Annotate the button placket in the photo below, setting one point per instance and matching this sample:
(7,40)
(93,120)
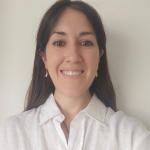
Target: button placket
(57,122)
(77,133)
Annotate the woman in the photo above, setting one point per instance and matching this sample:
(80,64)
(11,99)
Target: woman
(71,101)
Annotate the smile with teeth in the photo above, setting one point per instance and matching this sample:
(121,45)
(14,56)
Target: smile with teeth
(71,73)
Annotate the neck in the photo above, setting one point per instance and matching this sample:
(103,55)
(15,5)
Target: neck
(69,105)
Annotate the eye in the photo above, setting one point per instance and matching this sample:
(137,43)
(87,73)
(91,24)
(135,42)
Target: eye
(87,43)
(59,43)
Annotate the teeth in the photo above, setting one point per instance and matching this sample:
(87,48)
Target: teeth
(72,73)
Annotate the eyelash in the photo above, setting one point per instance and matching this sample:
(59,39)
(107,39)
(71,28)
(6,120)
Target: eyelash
(59,43)
(82,43)
(87,43)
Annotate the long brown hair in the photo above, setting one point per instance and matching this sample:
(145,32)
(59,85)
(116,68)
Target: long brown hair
(41,87)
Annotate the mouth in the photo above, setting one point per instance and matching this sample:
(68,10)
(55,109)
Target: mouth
(72,73)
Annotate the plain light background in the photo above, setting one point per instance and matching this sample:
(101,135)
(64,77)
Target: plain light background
(127,25)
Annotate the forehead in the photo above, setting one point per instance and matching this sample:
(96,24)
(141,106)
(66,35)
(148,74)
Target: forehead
(74,21)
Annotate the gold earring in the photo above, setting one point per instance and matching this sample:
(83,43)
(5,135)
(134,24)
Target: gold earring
(96,75)
(102,52)
(46,74)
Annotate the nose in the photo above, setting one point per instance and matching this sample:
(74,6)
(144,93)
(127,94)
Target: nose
(73,54)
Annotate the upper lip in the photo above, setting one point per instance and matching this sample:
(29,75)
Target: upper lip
(72,70)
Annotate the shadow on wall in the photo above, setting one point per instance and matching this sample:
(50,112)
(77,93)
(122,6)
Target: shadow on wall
(128,73)
(118,52)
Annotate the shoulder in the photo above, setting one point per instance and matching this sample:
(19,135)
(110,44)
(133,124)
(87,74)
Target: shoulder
(22,118)
(18,129)
(128,130)
(123,121)
(19,123)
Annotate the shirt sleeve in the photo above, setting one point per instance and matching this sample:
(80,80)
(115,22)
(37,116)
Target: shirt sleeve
(141,137)
(3,136)
(10,134)
(129,133)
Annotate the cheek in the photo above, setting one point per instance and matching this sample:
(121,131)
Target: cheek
(53,61)
(93,59)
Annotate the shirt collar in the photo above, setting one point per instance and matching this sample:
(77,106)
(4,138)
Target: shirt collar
(49,110)
(95,109)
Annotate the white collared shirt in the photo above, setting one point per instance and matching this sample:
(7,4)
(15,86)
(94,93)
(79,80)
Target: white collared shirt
(96,127)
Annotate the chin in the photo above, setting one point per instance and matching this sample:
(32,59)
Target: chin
(74,93)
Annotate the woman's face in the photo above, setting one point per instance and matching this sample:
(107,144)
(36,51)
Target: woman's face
(72,54)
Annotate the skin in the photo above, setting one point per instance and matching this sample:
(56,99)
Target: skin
(72,46)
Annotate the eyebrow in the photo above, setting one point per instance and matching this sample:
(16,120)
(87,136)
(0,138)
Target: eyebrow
(86,33)
(59,33)
(81,34)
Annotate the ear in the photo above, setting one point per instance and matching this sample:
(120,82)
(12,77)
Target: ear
(44,59)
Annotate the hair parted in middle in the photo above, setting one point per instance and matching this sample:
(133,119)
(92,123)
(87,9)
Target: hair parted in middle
(41,87)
